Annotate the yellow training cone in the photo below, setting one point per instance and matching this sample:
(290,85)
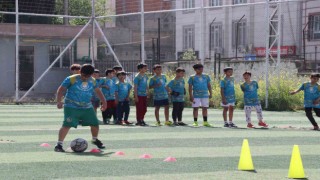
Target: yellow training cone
(245,162)
(296,170)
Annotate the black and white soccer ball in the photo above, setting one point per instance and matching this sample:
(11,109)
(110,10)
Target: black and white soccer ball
(79,145)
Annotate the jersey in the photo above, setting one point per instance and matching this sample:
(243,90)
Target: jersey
(159,92)
(311,93)
(141,82)
(250,93)
(177,85)
(200,85)
(227,84)
(115,79)
(109,94)
(123,90)
(95,98)
(79,92)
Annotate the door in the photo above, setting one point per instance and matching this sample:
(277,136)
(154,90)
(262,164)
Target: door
(26,67)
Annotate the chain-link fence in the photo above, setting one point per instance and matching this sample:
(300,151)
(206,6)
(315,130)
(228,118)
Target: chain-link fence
(174,33)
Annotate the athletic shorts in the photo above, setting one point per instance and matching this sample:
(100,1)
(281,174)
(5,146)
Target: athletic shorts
(111,104)
(95,103)
(228,104)
(163,102)
(203,102)
(73,115)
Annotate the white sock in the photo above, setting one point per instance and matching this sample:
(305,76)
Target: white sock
(60,143)
(94,138)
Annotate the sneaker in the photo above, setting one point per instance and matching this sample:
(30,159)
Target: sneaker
(226,124)
(98,143)
(195,124)
(58,148)
(127,122)
(158,123)
(316,128)
(206,124)
(263,124)
(106,121)
(168,123)
(138,123)
(182,123)
(232,125)
(143,123)
(175,123)
(250,125)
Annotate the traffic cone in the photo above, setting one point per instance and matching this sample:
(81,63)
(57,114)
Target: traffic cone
(296,170)
(245,162)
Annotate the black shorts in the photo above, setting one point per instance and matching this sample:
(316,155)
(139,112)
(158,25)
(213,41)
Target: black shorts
(163,102)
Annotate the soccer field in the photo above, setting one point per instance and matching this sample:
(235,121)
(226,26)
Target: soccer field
(201,153)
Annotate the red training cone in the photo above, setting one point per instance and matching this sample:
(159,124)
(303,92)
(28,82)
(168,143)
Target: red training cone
(170,159)
(119,153)
(146,156)
(95,150)
(45,145)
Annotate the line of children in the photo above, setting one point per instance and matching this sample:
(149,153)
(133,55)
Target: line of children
(108,90)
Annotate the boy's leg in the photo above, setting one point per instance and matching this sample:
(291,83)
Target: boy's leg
(139,110)
(180,110)
(156,113)
(95,140)
(63,133)
(247,110)
(114,112)
(310,116)
(119,111)
(175,111)
(259,116)
(224,114)
(231,113)
(104,117)
(166,112)
(126,108)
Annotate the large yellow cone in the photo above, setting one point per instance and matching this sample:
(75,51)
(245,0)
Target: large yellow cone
(296,170)
(245,162)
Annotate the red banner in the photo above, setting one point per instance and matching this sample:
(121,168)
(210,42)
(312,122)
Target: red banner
(284,51)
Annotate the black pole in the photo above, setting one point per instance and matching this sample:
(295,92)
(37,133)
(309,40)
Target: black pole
(158,40)
(237,33)
(219,58)
(140,53)
(210,37)
(304,45)
(153,50)
(215,66)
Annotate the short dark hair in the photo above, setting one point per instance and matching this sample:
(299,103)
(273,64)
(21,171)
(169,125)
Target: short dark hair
(108,71)
(87,69)
(315,75)
(121,73)
(141,65)
(117,68)
(247,72)
(227,69)
(180,69)
(75,67)
(197,66)
(157,66)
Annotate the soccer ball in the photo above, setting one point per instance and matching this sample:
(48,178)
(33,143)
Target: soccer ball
(79,145)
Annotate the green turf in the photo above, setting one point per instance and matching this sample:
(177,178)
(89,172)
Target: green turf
(202,153)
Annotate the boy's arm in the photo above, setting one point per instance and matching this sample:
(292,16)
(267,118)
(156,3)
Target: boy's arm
(102,99)
(210,90)
(128,97)
(135,93)
(116,97)
(295,92)
(223,98)
(60,92)
(190,93)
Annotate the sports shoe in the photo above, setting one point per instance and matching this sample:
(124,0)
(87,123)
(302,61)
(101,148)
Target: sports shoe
(143,123)
(316,128)
(226,124)
(195,124)
(206,124)
(168,123)
(175,123)
(58,148)
(250,125)
(181,123)
(106,121)
(98,143)
(263,124)
(158,123)
(138,123)
(232,125)
(127,122)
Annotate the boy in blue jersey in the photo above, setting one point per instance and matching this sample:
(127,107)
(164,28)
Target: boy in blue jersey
(141,93)
(177,91)
(75,68)
(311,98)
(116,69)
(199,85)
(160,94)
(77,104)
(123,90)
(251,100)
(228,96)
(108,89)
(95,100)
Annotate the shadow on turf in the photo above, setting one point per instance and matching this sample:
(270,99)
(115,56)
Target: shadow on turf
(101,154)
(252,171)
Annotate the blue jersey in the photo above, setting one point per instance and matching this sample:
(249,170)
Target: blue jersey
(250,93)
(200,85)
(177,85)
(159,92)
(123,90)
(79,93)
(227,84)
(109,94)
(95,98)
(311,93)
(115,79)
(141,82)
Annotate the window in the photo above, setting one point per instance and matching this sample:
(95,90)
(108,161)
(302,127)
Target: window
(215,2)
(26,66)
(239,1)
(186,4)
(241,28)
(216,36)
(188,37)
(65,61)
(314,27)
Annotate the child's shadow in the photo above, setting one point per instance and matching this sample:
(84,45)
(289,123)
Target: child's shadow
(99,154)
